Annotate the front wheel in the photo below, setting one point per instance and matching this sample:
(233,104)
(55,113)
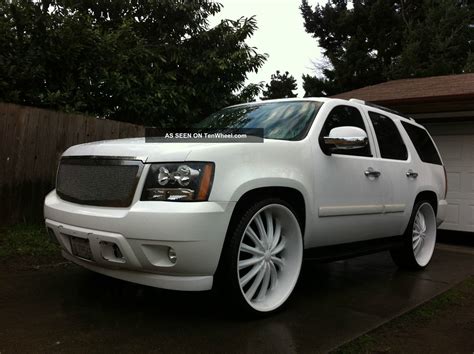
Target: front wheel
(263,256)
(419,238)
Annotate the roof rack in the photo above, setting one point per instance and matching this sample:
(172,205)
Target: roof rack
(389,110)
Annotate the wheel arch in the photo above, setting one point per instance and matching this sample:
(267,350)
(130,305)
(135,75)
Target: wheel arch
(291,195)
(430,196)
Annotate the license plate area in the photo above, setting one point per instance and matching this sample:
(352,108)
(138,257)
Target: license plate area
(80,247)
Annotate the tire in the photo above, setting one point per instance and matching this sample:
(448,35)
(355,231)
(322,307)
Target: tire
(262,257)
(419,238)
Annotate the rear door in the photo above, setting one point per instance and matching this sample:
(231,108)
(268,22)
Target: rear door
(399,167)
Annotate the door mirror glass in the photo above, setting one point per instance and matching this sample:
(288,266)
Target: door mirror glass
(346,138)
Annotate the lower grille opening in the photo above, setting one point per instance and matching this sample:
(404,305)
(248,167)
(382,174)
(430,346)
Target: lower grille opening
(111,252)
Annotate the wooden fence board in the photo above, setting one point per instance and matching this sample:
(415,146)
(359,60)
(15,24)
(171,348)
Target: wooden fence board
(31,143)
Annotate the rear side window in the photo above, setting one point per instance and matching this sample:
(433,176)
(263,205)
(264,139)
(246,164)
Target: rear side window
(345,116)
(390,142)
(423,144)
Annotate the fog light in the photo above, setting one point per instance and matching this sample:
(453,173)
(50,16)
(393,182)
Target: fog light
(172,255)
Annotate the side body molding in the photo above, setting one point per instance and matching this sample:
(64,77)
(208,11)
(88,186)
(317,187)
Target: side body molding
(360,209)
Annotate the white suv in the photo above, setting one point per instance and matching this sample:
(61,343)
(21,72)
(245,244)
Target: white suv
(332,179)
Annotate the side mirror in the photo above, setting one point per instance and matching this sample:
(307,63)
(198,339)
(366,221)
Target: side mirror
(345,138)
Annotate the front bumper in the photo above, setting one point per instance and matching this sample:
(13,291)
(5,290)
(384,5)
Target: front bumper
(144,232)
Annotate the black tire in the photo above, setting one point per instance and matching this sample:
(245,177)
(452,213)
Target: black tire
(404,256)
(227,279)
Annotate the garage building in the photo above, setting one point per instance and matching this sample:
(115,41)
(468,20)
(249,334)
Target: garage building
(445,106)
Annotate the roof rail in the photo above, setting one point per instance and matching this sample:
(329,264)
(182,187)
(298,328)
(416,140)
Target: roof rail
(389,110)
(356,100)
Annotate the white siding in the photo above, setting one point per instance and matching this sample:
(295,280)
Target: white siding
(457,152)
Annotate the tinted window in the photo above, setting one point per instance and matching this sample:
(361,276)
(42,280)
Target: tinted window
(279,120)
(423,144)
(341,116)
(390,142)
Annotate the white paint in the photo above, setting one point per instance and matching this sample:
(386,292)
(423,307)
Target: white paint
(361,207)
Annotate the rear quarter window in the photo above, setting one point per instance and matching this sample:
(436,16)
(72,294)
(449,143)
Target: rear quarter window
(423,144)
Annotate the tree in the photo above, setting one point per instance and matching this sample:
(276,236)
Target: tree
(437,39)
(281,86)
(248,93)
(150,62)
(380,40)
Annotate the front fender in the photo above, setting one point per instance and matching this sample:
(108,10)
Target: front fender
(268,182)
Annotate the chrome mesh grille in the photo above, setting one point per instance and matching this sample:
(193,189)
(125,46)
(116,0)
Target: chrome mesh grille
(98,181)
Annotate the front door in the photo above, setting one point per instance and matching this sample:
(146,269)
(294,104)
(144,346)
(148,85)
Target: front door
(351,187)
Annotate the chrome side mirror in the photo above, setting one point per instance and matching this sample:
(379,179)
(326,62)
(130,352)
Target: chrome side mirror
(346,138)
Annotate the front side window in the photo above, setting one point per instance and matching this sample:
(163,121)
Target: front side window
(341,116)
(279,120)
(391,144)
(423,144)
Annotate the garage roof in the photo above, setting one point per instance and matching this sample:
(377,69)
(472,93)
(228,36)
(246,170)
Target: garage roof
(424,89)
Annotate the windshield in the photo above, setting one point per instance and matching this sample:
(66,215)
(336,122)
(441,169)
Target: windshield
(279,120)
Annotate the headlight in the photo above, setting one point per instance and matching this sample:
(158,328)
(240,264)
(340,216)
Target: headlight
(186,181)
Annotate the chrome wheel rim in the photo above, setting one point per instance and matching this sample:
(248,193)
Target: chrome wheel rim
(270,256)
(424,234)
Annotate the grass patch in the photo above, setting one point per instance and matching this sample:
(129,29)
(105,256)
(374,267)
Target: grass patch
(377,340)
(27,244)
(363,344)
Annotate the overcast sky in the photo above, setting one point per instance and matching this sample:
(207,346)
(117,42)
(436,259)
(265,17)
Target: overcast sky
(280,34)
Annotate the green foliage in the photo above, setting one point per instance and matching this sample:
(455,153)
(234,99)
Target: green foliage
(31,241)
(316,86)
(469,67)
(436,40)
(248,93)
(151,62)
(281,86)
(380,40)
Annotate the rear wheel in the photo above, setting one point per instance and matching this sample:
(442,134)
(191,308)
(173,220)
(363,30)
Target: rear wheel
(419,238)
(263,257)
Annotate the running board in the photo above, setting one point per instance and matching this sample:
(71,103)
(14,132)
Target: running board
(353,249)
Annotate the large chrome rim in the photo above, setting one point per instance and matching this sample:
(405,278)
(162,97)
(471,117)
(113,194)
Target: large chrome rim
(270,256)
(424,234)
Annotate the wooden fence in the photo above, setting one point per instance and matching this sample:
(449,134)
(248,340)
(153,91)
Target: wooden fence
(31,142)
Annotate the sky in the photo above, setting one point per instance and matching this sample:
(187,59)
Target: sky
(280,34)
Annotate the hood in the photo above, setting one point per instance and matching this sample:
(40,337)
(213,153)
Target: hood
(136,148)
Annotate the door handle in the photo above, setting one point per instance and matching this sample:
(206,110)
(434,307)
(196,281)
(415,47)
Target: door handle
(411,174)
(370,172)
